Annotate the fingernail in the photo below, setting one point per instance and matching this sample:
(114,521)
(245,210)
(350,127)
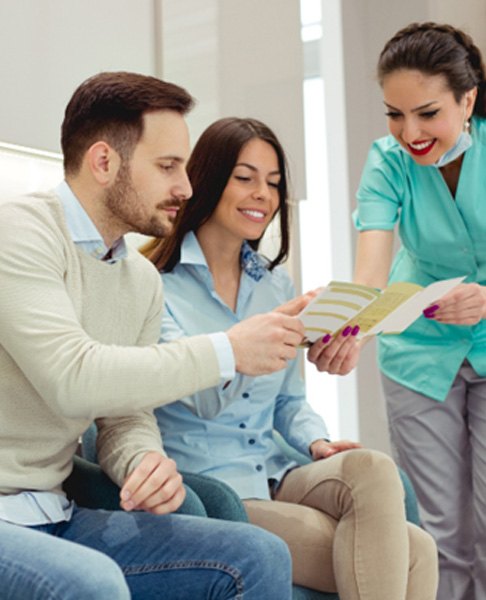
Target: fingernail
(347,331)
(125,495)
(429,312)
(326,338)
(431,309)
(355,330)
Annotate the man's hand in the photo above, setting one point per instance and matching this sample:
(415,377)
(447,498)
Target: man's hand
(337,356)
(264,343)
(322,449)
(154,486)
(464,305)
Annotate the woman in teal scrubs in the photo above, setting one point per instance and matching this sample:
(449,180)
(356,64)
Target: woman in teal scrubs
(428,178)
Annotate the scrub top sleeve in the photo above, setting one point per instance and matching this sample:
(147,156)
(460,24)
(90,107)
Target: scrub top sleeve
(380,191)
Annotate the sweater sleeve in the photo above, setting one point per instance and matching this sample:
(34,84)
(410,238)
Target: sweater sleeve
(75,374)
(122,442)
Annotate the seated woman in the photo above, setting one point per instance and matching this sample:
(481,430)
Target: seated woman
(342,515)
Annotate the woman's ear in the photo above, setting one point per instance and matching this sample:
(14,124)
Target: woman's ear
(470,99)
(103,162)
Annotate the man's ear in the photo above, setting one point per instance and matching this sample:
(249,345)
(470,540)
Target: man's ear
(103,162)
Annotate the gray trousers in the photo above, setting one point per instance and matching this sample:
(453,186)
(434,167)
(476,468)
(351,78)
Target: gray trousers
(442,447)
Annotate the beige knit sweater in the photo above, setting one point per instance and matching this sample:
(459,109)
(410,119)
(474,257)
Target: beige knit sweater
(78,342)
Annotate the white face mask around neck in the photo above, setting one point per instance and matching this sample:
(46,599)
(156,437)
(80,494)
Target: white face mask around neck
(463,143)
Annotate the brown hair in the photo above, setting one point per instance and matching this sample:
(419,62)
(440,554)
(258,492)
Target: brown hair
(437,50)
(209,169)
(110,106)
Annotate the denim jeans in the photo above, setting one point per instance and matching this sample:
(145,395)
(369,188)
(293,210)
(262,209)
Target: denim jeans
(172,557)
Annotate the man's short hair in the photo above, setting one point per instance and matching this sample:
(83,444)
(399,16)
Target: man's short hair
(110,107)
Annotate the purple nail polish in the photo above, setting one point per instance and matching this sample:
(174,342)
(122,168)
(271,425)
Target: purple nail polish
(355,330)
(326,338)
(430,311)
(347,331)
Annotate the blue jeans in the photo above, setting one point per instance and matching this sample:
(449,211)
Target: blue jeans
(98,553)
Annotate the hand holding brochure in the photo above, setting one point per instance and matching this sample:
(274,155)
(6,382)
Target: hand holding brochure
(376,311)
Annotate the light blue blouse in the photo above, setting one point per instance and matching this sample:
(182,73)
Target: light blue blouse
(226,432)
(441,237)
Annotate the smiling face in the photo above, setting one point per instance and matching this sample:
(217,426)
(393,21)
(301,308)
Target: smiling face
(423,114)
(150,188)
(251,197)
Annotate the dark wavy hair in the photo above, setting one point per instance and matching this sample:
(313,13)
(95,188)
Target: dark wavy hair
(436,49)
(209,168)
(110,106)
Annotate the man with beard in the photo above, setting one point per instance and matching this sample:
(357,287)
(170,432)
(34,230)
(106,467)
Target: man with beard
(80,315)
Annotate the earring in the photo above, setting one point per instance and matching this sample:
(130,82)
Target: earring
(467,126)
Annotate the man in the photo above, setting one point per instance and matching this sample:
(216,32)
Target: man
(79,321)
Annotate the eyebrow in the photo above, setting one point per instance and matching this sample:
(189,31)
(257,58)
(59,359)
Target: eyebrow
(413,109)
(178,159)
(253,168)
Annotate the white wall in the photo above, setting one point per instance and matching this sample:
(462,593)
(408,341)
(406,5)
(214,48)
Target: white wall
(48,47)
(236,61)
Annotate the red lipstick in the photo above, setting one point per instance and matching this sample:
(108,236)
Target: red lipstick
(421,151)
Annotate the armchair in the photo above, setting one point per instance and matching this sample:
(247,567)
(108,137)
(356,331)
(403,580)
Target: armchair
(206,496)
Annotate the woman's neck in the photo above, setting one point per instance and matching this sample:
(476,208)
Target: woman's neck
(223,258)
(451,173)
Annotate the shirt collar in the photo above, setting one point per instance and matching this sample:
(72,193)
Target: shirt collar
(191,251)
(251,262)
(83,231)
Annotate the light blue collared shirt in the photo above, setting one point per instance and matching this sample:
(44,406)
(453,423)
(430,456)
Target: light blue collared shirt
(83,231)
(226,432)
(36,507)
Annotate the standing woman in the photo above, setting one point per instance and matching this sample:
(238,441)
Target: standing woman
(429,177)
(342,515)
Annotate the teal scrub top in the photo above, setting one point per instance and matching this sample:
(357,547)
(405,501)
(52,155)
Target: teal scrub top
(441,237)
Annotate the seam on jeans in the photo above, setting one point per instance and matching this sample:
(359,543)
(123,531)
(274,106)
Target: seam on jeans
(191,564)
(39,578)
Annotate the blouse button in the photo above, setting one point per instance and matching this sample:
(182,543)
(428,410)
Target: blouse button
(246,395)
(259,467)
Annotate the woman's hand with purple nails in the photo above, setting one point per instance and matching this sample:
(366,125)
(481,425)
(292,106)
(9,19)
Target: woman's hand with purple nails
(464,305)
(338,357)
